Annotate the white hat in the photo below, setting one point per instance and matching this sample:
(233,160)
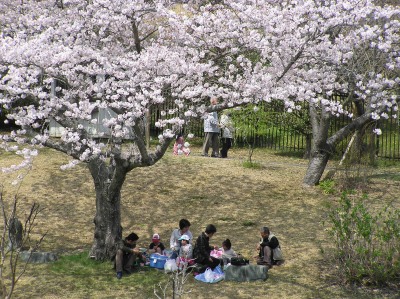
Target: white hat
(156,236)
(184,237)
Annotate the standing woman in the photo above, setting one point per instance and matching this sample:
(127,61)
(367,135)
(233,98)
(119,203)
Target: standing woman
(228,132)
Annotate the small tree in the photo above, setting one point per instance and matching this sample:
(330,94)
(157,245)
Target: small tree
(250,122)
(15,238)
(176,282)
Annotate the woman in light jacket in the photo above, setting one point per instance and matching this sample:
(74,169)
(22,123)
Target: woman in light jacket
(228,132)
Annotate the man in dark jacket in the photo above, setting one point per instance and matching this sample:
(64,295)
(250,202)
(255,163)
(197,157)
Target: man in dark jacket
(202,249)
(127,253)
(267,244)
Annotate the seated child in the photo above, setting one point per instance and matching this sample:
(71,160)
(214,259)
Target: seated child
(181,147)
(185,252)
(156,246)
(186,249)
(228,252)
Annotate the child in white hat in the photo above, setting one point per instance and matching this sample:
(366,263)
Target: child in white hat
(186,250)
(185,253)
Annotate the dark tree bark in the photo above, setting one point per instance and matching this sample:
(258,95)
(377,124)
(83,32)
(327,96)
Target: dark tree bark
(318,161)
(320,151)
(108,181)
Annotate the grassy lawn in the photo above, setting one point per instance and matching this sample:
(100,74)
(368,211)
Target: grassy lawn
(237,200)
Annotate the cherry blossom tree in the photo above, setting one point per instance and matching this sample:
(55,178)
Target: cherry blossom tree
(340,48)
(336,56)
(65,59)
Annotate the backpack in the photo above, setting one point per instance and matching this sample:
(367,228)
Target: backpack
(239,261)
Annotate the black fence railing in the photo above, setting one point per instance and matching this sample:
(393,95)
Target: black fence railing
(282,135)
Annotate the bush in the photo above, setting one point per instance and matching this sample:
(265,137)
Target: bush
(327,186)
(252,164)
(367,245)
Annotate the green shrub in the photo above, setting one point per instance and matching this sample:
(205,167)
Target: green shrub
(367,245)
(251,164)
(327,186)
(248,223)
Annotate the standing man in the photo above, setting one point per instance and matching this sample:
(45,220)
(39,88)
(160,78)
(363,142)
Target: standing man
(211,130)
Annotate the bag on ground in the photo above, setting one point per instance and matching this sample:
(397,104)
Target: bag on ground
(277,254)
(239,261)
(170,265)
(211,276)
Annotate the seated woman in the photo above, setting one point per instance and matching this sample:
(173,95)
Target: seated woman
(175,242)
(181,147)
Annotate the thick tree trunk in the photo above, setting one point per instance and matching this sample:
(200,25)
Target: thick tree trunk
(316,167)
(321,151)
(108,182)
(323,145)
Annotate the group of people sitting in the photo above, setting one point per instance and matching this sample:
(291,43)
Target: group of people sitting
(183,249)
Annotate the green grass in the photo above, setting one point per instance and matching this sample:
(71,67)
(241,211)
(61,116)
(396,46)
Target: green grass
(85,271)
(248,223)
(252,165)
(78,264)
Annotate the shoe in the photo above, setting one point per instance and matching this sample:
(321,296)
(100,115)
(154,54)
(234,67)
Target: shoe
(278,263)
(204,155)
(119,275)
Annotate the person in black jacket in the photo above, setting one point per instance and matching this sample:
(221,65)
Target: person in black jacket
(202,249)
(268,242)
(126,255)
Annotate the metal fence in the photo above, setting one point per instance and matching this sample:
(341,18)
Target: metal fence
(282,136)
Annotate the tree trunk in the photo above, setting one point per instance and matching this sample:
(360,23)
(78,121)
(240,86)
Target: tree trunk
(108,183)
(321,150)
(307,152)
(316,167)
